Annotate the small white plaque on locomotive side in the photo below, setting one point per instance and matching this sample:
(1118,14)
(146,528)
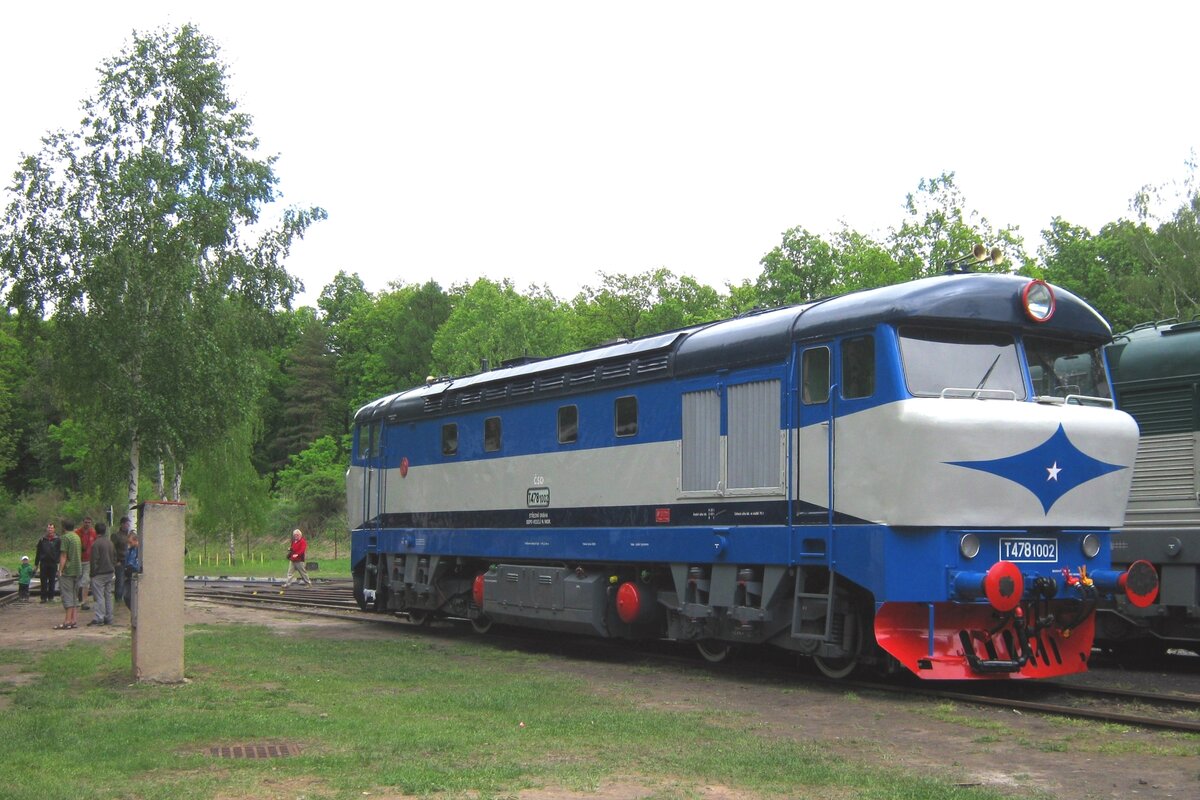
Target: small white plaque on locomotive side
(538,497)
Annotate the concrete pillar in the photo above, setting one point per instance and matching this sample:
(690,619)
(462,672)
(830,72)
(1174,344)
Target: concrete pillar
(158,594)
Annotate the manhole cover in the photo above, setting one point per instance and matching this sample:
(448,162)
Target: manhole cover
(272,750)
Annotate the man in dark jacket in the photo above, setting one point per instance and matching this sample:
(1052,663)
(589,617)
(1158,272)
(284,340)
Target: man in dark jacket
(48,551)
(103,573)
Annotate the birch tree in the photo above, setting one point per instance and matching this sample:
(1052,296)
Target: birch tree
(139,234)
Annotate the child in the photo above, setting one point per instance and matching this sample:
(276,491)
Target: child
(24,576)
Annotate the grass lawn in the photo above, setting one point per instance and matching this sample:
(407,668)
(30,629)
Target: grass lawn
(405,715)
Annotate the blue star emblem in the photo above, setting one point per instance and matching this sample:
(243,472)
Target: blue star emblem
(1050,470)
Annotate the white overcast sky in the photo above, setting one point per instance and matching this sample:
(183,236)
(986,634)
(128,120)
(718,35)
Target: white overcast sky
(548,141)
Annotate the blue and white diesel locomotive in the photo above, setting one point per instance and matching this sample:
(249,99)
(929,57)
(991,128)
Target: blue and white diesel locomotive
(918,474)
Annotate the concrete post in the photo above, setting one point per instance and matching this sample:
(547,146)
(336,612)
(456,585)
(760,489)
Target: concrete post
(158,594)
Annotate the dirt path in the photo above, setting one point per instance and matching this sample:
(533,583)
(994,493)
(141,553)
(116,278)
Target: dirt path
(1023,755)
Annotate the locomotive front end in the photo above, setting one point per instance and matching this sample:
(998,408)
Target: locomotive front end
(1017,469)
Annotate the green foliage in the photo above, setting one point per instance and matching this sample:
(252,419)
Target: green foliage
(315,481)
(492,322)
(630,306)
(131,231)
(1134,270)
(231,501)
(71,439)
(806,267)
(941,228)
(1098,268)
(387,342)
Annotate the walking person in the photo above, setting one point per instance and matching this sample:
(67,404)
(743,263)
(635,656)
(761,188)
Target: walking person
(70,565)
(120,542)
(24,576)
(296,558)
(49,548)
(103,572)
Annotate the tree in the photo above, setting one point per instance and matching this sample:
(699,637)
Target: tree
(801,268)
(232,498)
(315,480)
(941,228)
(1100,268)
(630,306)
(133,234)
(387,343)
(1170,282)
(806,267)
(314,404)
(493,323)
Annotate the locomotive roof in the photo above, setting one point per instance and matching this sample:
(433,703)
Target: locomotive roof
(1154,351)
(988,300)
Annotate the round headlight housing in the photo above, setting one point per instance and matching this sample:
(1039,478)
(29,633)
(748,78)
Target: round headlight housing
(968,545)
(1090,545)
(1037,299)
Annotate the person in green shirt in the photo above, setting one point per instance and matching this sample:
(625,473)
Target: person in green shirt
(70,567)
(24,576)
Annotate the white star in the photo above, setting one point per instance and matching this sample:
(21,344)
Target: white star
(1053,470)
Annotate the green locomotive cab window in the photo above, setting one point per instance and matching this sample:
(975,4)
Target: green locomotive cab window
(625,412)
(450,439)
(491,434)
(568,424)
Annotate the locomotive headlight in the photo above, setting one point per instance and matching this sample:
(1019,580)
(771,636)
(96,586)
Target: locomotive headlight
(1037,298)
(1090,545)
(968,545)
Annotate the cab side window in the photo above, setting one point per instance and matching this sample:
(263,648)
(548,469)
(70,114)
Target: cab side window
(815,382)
(858,367)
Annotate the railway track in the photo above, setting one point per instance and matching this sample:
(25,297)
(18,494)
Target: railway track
(1165,711)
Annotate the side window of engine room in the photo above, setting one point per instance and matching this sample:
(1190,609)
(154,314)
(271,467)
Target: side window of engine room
(625,416)
(568,424)
(491,435)
(450,439)
(748,460)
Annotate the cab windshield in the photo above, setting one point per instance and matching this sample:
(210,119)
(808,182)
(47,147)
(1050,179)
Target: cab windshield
(1062,368)
(957,363)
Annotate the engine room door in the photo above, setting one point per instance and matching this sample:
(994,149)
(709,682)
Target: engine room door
(814,462)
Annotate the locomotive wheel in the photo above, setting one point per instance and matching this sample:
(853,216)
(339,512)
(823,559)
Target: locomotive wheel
(713,651)
(481,624)
(836,668)
(419,616)
(840,666)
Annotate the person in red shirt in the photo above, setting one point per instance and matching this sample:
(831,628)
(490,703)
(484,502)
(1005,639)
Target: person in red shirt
(87,535)
(296,565)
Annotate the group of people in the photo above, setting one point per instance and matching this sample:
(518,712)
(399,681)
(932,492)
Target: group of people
(86,559)
(83,561)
